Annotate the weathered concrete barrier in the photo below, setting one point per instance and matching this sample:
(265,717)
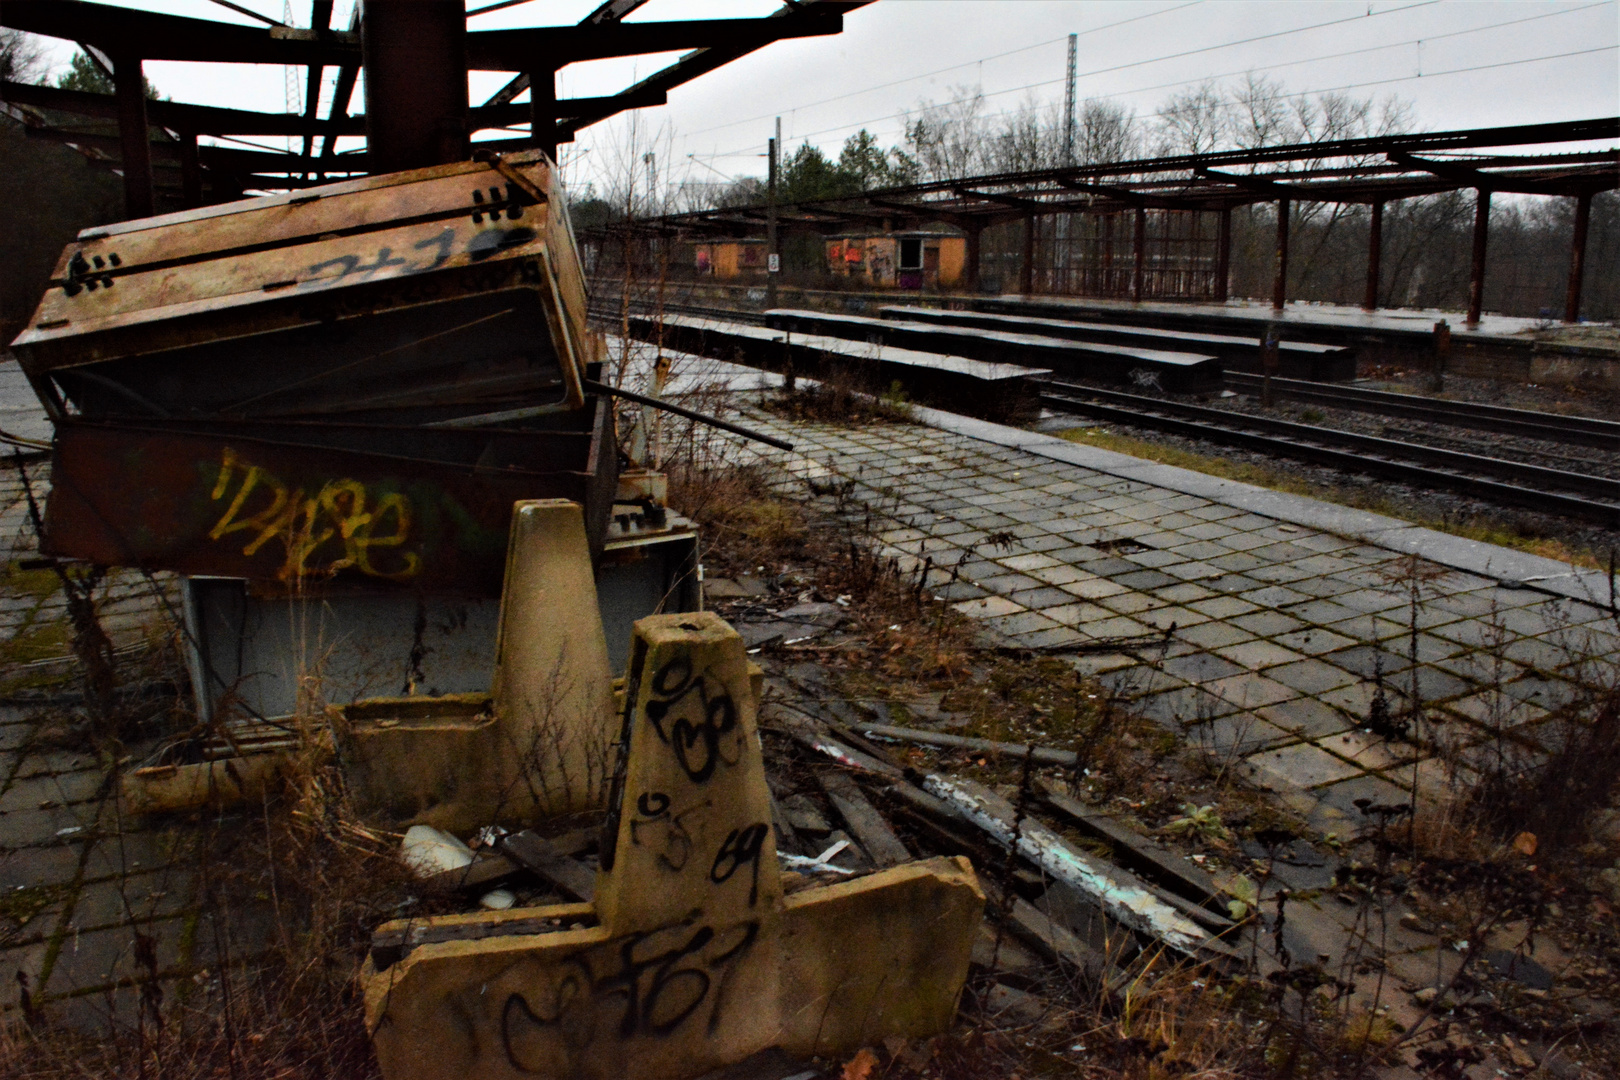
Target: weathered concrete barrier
(692,955)
(541,743)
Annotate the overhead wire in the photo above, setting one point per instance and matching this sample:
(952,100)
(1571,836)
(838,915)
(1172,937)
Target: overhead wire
(952,67)
(1269,67)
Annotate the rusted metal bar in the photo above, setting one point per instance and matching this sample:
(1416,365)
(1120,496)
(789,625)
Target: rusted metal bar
(1375,250)
(1279,287)
(136,151)
(416,84)
(1476,272)
(1139,247)
(690,414)
(1577,256)
(1223,256)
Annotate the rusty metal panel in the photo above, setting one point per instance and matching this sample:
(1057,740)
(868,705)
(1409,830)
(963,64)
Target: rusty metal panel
(341,251)
(284,513)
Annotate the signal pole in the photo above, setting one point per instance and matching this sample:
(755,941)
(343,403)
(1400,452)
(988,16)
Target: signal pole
(773,255)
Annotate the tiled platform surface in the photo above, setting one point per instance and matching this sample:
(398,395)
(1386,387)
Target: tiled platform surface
(77,885)
(1261,636)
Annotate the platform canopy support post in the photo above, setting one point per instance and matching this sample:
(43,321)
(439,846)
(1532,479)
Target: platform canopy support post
(1476,273)
(1279,288)
(1223,256)
(1375,250)
(1577,256)
(1139,249)
(129,87)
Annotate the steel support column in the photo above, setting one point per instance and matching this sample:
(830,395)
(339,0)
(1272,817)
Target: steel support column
(191,192)
(1279,288)
(1375,251)
(543,108)
(1476,273)
(1577,256)
(970,258)
(415,55)
(1223,256)
(130,89)
(1139,248)
(1026,269)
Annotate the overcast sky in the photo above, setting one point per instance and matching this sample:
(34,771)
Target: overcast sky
(1459,64)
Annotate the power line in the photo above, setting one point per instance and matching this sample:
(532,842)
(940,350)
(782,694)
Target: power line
(1271,67)
(943,70)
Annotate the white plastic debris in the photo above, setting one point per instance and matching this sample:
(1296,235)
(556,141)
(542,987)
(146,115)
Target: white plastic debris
(430,851)
(819,864)
(498,899)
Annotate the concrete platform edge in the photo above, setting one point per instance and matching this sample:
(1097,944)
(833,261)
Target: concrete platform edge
(1473,556)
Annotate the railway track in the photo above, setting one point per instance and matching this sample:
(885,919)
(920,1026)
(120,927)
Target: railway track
(1497,419)
(1554,491)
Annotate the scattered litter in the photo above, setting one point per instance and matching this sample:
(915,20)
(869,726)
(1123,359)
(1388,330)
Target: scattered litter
(498,899)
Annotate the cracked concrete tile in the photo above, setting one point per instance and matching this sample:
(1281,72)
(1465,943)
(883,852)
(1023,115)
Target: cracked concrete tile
(1256,655)
(987,607)
(1251,691)
(1311,676)
(1302,765)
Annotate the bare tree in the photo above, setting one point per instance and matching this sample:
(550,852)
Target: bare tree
(1108,132)
(22,57)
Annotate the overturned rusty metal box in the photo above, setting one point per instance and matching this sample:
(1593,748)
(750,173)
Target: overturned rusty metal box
(346,386)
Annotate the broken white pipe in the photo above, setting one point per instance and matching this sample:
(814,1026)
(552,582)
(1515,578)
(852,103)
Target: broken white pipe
(818,864)
(1126,903)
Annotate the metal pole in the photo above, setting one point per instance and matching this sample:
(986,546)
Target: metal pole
(1476,274)
(1140,245)
(415,57)
(970,271)
(130,90)
(1375,249)
(1068,104)
(1223,256)
(773,254)
(1279,288)
(1577,256)
(190,170)
(543,108)
(1026,272)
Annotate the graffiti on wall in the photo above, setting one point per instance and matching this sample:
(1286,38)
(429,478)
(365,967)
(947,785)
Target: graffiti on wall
(341,526)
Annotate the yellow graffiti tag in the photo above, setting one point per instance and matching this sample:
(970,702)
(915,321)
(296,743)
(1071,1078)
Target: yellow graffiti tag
(304,524)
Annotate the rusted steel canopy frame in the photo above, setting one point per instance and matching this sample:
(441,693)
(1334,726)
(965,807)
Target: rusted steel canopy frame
(155,36)
(1279,287)
(135,149)
(211,120)
(1577,256)
(1476,271)
(1375,250)
(715,55)
(416,83)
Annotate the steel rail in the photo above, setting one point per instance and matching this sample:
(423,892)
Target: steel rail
(1576,430)
(1523,485)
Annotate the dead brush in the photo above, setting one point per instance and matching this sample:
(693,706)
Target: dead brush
(842,392)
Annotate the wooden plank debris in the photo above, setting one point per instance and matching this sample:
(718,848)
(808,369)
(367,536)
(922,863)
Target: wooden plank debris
(551,860)
(1043,755)
(871,831)
(484,872)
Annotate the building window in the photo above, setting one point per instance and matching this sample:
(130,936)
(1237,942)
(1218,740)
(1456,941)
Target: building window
(911,253)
